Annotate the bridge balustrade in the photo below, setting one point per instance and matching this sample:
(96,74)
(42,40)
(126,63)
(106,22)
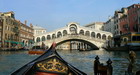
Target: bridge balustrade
(69,36)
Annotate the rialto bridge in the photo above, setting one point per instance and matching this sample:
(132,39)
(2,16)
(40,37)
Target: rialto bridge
(75,36)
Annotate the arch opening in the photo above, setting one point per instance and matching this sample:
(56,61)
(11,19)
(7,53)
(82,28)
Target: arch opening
(81,32)
(43,38)
(73,29)
(53,36)
(59,34)
(99,35)
(76,44)
(65,32)
(93,34)
(48,37)
(37,40)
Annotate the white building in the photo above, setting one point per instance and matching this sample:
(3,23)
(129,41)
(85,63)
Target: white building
(39,30)
(109,25)
(95,25)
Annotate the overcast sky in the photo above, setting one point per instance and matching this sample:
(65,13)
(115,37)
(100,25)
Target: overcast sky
(54,14)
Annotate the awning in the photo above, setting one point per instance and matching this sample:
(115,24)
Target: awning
(11,41)
(14,42)
(31,41)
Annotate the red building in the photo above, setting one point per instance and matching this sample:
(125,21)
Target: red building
(123,22)
(1,31)
(139,20)
(133,17)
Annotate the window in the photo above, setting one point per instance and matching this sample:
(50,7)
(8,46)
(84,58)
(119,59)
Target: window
(73,29)
(65,33)
(136,38)
(81,32)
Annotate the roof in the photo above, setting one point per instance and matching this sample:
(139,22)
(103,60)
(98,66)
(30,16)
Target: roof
(38,27)
(95,23)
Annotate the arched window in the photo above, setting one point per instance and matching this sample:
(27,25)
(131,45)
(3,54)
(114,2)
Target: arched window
(104,37)
(48,37)
(93,34)
(53,36)
(43,38)
(87,33)
(99,35)
(23,41)
(109,37)
(59,34)
(38,39)
(73,29)
(64,33)
(81,32)
(125,39)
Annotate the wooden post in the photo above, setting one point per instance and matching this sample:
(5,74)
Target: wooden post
(109,67)
(96,63)
(132,60)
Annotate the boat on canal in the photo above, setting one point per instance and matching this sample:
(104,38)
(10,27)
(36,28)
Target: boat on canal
(126,42)
(49,63)
(37,50)
(123,48)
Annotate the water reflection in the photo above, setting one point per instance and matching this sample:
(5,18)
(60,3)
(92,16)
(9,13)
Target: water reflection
(11,61)
(84,60)
(11,52)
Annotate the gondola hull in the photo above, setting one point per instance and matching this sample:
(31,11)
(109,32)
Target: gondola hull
(49,63)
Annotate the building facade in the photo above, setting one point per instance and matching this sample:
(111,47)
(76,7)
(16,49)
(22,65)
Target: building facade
(26,35)
(1,28)
(39,30)
(109,25)
(133,17)
(139,20)
(64,46)
(126,20)
(95,25)
(10,30)
(117,15)
(123,22)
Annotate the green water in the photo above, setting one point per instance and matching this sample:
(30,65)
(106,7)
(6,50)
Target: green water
(11,60)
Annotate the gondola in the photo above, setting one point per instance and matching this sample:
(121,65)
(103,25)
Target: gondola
(49,63)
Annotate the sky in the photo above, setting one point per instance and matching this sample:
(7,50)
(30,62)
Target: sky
(55,14)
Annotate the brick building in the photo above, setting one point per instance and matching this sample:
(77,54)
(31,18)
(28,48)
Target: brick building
(133,17)
(10,31)
(26,34)
(1,28)
(139,20)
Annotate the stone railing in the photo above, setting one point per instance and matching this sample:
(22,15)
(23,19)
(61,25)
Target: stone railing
(78,37)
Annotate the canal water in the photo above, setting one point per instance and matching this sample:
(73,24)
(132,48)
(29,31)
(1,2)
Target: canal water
(13,60)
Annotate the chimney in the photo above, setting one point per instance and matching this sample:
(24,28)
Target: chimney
(31,25)
(25,22)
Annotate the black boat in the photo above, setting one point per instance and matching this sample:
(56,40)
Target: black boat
(49,63)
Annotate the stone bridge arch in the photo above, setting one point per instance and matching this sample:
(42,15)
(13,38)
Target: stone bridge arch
(93,46)
(95,43)
(96,37)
